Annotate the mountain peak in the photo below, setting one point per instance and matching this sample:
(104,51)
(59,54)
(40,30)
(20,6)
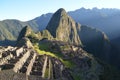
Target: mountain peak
(63,27)
(61,10)
(60,13)
(24,32)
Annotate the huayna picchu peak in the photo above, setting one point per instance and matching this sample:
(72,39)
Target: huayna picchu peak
(63,27)
(65,50)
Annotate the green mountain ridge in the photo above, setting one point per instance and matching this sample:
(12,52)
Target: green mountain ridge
(91,17)
(10,29)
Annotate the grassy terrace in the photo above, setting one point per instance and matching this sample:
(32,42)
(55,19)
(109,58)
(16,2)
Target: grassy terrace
(44,49)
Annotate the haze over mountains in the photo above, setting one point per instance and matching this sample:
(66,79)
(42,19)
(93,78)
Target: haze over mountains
(106,20)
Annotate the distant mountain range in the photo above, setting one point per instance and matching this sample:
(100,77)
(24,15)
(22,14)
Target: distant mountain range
(106,20)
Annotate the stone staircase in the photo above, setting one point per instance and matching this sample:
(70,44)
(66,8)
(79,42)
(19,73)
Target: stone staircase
(27,61)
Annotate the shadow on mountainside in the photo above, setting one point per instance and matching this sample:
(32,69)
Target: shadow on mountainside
(7,43)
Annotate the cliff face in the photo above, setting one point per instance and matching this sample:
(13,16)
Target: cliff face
(95,42)
(26,31)
(63,27)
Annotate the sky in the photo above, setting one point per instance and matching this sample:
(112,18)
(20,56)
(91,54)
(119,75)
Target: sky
(28,9)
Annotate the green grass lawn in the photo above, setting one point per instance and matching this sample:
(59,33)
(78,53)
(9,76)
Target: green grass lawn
(43,50)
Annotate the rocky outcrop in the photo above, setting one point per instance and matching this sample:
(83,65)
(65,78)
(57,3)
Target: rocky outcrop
(26,31)
(63,27)
(46,34)
(27,35)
